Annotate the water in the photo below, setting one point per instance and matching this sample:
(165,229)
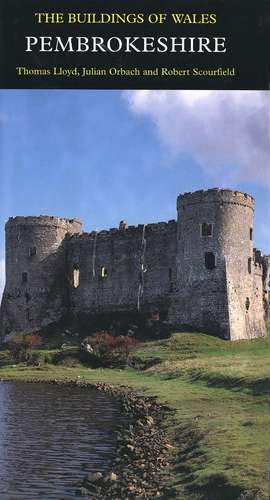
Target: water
(50,437)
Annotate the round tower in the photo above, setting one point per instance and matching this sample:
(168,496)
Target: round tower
(215,268)
(35,290)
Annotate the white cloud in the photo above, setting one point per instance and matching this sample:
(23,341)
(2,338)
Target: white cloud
(2,276)
(226,132)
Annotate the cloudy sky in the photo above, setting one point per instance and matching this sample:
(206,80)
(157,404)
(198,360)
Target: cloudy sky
(104,156)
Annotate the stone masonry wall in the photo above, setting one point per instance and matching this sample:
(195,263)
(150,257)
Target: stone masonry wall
(121,270)
(201,298)
(201,271)
(220,300)
(35,290)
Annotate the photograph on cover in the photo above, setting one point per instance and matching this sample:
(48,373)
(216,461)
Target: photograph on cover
(134,250)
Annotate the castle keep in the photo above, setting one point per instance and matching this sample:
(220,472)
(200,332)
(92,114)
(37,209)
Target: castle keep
(199,271)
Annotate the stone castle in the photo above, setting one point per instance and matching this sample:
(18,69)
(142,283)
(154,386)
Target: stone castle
(199,271)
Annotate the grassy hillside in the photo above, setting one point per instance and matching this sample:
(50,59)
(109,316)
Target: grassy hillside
(220,391)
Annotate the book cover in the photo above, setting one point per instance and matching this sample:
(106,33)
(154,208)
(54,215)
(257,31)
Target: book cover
(134,248)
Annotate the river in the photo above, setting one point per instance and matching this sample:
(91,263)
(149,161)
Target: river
(50,437)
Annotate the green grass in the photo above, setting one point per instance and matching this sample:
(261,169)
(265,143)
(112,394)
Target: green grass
(220,391)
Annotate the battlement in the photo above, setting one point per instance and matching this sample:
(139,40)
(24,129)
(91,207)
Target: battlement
(128,231)
(45,220)
(216,195)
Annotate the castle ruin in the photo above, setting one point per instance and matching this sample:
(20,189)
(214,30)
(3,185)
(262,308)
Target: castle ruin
(199,271)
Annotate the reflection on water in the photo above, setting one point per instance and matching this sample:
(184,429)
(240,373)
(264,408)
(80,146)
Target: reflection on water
(50,437)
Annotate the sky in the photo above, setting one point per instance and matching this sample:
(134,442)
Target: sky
(104,156)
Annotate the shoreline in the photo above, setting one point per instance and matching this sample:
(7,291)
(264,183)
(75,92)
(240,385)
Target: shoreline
(141,465)
(220,393)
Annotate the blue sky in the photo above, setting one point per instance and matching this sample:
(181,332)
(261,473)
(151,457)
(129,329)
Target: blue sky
(104,156)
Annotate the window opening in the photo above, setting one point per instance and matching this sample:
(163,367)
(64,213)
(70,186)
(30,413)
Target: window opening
(76,276)
(24,277)
(104,273)
(251,233)
(170,279)
(206,229)
(210,260)
(249,265)
(32,251)
(247,303)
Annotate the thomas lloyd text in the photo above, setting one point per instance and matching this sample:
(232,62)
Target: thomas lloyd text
(132,71)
